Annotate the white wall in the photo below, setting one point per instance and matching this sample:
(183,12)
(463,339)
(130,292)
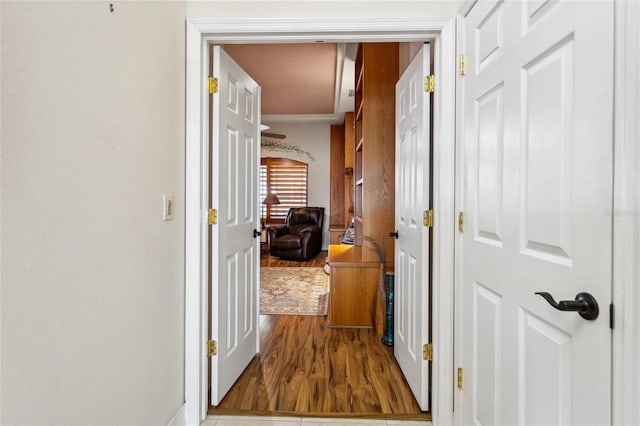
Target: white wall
(320,9)
(92,280)
(314,138)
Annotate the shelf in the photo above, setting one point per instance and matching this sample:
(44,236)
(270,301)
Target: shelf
(359,106)
(359,80)
(359,87)
(359,64)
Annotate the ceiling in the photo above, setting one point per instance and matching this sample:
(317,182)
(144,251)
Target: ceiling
(300,82)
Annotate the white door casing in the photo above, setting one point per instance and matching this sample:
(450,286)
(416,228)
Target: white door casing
(235,118)
(220,29)
(411,313)
(538,195)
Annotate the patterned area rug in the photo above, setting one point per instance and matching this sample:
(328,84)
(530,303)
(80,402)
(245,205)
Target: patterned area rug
(293,291)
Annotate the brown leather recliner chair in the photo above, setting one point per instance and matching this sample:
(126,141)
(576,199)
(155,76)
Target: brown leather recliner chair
(300,238)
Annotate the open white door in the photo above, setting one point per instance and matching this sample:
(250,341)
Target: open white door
(538,195)
(235,251)
(411,312)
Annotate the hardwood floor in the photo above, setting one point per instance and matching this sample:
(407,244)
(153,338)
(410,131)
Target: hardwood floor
(306,368)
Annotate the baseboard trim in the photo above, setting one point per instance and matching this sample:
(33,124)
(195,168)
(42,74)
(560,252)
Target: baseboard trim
(180,417)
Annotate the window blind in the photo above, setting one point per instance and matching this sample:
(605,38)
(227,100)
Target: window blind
(288,180)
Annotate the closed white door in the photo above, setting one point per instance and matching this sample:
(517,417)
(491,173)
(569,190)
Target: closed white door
(538,195)
(235,252)
(411,313)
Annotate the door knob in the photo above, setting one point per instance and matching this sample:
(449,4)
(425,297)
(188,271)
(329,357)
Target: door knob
(394,234)
(256,233)
(584,304)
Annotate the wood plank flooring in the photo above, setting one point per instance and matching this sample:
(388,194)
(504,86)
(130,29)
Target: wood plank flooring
(307,368)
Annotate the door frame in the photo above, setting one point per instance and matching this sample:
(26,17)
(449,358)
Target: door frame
(625,390)
(201,33)
(626,214)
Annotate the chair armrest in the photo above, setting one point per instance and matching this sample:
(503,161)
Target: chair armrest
(309,229)
(277,230)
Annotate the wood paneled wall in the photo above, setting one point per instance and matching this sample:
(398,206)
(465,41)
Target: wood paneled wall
(336,180)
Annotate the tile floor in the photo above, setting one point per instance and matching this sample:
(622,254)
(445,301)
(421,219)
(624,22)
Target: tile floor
(302,421)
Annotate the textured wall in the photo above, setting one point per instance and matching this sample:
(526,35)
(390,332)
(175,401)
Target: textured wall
(92,279)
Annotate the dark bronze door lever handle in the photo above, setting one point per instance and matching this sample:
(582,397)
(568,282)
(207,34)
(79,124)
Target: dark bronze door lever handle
(584,304)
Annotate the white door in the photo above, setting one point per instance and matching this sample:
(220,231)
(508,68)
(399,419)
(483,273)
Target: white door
(538,195)
(235,252)
(411,312)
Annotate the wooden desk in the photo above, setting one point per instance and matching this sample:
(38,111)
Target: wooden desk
(355,275)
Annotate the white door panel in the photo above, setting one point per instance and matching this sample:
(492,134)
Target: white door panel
(235,253)
(538,152)
(412,246)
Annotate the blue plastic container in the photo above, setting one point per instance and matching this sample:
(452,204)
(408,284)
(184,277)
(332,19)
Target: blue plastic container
(387,338)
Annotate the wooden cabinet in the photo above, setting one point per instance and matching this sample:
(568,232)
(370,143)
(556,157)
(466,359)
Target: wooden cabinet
(374,156)
(354,287)
(335,233)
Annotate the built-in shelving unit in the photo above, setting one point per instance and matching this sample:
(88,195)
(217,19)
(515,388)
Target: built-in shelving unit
(355,270)
(359,140)
(376,74)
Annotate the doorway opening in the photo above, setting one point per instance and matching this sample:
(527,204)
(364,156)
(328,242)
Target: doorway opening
(199,35)
(332,371)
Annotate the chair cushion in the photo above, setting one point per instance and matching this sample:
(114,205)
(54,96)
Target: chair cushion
(287,242)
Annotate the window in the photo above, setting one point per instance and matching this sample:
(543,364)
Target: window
(288,180)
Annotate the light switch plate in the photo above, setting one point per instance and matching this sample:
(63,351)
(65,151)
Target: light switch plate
(167,207)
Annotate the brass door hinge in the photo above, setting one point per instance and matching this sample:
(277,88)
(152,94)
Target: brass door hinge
(212,348)
(430,83)
(427,352)
(212,85)
(427,218)
(461,222)
(463,65)
(212,217)
(460,378)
